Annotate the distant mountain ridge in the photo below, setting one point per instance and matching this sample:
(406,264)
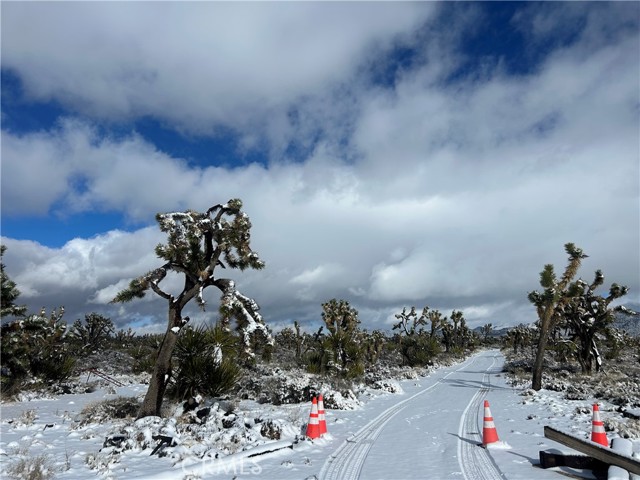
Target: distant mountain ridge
(629,323)
(623,321)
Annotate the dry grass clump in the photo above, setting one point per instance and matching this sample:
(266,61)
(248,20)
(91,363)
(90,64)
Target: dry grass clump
(100,412)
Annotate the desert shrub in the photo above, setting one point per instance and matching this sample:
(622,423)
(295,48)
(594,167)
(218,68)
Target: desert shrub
(28,417)
(143,350)
(124,339)
(143,358)
(418,350)
(119,407)
(271,429)
(206,363)
(54,367)
(317,361)
(35,346)
(40,467)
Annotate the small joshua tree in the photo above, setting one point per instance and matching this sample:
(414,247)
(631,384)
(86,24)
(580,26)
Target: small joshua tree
(198,243)
(410,323)
(437,322)
(94,333)
(373,346)
(416,347)
(519,336)
(342,323)
(486,330)
(456,336)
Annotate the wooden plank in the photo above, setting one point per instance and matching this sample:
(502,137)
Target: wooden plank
(583,462)
(594,450)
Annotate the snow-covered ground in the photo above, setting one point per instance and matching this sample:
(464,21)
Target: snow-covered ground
(429,428)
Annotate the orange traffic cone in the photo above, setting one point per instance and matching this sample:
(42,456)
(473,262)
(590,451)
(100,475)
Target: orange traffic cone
(322,422)
(313,428)
(598,434)
(489,432)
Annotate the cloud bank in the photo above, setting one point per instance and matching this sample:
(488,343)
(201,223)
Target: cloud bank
(444,185)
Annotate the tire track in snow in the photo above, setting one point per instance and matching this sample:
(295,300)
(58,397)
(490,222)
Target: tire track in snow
(475,461)
(347,461)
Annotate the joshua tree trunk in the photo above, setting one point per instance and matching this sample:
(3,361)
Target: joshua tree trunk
(536,381)
(152,404)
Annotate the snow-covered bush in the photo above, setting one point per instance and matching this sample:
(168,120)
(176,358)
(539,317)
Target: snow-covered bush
(100,412)
(39,467)
(35,346)
(388,385)
(271,429)
(627,428)
(286,389)
(345,400)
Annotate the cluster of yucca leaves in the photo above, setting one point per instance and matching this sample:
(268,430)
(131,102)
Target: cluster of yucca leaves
(205,363)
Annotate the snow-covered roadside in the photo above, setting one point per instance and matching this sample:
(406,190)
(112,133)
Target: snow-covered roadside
(46,428)
(520,415)
(50,433)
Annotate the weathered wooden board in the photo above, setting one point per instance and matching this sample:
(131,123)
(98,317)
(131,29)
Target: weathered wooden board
(594,450)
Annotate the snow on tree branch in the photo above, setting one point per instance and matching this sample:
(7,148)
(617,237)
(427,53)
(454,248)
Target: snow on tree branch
(234,304)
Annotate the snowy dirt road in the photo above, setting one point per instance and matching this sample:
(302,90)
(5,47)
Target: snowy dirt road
(436,431)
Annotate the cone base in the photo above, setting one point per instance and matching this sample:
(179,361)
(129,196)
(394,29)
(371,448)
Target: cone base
(313,431)
(600,439)
(490,438)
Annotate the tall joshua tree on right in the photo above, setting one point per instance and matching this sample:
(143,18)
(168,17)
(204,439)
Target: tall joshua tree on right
(587,315)
(550,302)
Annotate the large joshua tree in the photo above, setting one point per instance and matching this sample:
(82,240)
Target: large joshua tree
(198,243)
(588,315)
(550,302)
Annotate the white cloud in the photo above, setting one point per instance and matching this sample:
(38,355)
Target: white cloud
(33,193)
(448,195)
(317,275)
(240,62)
(313,282)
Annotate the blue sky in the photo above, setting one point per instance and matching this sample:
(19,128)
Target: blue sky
(392,154)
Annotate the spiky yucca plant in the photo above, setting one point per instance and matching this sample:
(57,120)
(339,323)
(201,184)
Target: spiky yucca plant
(206,363)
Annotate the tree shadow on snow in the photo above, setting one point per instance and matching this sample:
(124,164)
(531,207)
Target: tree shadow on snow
(473,384)
(491,371)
